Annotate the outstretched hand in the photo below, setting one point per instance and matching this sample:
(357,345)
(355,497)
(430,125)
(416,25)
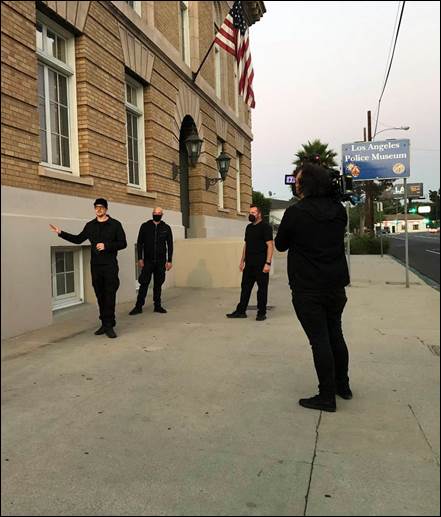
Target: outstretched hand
(55,229)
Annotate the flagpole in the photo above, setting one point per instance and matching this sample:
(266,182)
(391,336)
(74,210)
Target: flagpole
(195,74)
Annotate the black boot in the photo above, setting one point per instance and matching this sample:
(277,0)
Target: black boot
(136,310)
(319,402)
(344,392)
(236,314)
(100,331)
(159,309)
(110,332)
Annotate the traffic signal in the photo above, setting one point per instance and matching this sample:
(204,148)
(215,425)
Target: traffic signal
(413,210)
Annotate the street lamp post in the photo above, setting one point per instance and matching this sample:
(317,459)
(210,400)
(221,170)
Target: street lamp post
(401,128)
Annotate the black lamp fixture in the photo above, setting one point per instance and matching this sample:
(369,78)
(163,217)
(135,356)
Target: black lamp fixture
(193,144)
(223,164)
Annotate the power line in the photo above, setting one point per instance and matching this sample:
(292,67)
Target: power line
(389,67)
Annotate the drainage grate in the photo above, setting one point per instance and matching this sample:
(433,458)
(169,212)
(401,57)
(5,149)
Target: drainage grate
(254,307)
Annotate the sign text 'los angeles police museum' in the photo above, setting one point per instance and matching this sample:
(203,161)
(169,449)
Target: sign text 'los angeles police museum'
(388,159)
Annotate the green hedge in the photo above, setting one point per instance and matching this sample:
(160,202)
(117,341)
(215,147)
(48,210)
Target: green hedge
(367,245)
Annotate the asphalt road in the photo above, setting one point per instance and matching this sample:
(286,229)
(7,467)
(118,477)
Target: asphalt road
(424,253)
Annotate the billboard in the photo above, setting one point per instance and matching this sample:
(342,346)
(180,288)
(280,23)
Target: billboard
(388,159)
(414,190)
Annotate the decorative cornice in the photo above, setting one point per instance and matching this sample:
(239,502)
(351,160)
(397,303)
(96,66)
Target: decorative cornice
(187,103)
(239,142)
(73,12)
(137,57)
(221,127)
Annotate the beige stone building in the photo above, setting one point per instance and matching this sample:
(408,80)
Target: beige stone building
(98,99)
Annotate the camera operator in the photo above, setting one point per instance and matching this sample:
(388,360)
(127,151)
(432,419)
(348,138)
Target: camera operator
(313,231)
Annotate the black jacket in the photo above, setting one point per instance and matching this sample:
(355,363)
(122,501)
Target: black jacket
(155,242)
(313,230)
(110,233)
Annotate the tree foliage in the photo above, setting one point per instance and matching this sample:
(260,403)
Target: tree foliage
(316,147)
(264,203)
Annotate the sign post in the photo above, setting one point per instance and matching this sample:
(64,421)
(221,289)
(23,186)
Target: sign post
(406,235)
(348,243)
(385,160)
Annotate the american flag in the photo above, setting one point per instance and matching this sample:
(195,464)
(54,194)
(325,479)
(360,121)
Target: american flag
(233,37)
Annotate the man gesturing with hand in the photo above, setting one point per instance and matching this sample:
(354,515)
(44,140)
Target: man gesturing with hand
(106,236)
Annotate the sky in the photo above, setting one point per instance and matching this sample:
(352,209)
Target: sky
(320,66)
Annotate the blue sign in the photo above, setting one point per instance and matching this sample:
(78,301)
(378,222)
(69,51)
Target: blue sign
(366,161)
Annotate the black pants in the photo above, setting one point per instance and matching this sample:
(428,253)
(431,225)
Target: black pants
(105,282)
(320,315)
(157,269)
(252,274)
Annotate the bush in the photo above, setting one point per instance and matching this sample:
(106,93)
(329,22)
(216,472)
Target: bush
(368,245)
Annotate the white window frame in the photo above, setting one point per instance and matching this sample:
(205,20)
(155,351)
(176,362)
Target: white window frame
(184,28)
(217,14)
(69,299)
(220,184)
(136,7)
(138,111)
(67,70)
(238,200)
(218,71)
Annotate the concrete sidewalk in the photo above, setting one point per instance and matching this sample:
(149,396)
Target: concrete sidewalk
(189,413)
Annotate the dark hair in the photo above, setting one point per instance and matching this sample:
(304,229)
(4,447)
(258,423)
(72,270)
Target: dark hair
(314,182)
(258,208)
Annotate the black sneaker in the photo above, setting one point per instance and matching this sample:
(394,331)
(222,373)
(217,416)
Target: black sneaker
(100,331)
(160,309)
(236,314)
(135,310)
(110,332)
(261,317)
(344,393)
(319,403)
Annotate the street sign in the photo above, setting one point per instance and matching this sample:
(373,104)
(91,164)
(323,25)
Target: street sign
(414,190)
(424,209)
(388,159)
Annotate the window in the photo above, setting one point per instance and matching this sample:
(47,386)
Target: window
(67,277)
(416,226)
(135,134)
(238,160)
(185,32)
(217,51)
(236,89)
(56,96)
(220,183)
(136,6)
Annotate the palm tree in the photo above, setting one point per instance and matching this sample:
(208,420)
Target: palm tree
(313,149)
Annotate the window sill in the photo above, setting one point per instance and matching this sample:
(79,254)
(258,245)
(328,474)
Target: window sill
(141,193)
(223,210)
(63,176)
(241,214)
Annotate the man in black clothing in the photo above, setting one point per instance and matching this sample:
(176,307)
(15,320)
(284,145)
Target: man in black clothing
(255,264)
(106,236)
(313,231)
(155,254)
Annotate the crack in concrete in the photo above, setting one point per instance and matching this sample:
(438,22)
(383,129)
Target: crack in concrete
(312,464)
(424,434)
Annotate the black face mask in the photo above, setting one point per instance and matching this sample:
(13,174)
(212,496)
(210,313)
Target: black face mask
(252,218)
(157,217)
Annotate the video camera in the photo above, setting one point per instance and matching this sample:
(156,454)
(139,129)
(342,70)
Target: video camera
(341,184)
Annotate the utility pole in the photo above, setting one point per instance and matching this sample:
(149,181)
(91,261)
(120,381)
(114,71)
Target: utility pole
(369,204)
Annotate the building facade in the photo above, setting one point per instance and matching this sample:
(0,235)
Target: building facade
(397,224)
(98,99)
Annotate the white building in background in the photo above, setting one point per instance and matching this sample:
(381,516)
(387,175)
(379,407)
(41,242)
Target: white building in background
(395,223)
